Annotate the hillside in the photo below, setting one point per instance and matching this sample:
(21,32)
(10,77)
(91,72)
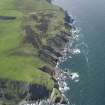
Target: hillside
(30,39)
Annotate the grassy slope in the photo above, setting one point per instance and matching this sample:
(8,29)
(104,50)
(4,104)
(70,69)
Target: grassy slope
(22,68)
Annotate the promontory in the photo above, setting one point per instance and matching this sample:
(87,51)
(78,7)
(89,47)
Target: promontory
(33,34)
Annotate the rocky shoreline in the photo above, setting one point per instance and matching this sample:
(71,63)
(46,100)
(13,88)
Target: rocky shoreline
(57,47)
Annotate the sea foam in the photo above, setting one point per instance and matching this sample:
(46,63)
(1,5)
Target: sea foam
(75,76)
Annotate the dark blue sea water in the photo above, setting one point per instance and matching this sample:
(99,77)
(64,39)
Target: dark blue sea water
(90,63)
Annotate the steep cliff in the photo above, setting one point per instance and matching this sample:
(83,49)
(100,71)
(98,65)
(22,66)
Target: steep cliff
(32,35)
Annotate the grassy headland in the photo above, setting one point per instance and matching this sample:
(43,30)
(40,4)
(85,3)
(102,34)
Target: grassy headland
(25,40)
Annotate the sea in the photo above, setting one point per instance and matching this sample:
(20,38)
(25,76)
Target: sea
(86,58)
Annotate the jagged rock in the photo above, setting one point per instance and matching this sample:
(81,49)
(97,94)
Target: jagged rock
(56,42)
(66,33)
(54,51)
(67,25)
(48,70)
(68,19)
(43,27)
(56,96)
(49,1)
(16,91)
(64,102)
(48,56)
(64,37)
(13,91)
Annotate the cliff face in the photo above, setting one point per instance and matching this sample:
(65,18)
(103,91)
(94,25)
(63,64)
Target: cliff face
(13,92)
(47,37)
(35,35)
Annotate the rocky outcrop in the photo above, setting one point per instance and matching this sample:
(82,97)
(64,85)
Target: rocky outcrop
(67,18)
(54,51)
(48,56)
(56,97)
(13,91)
(32,37)
(49,1)
(48,70)
(16,91)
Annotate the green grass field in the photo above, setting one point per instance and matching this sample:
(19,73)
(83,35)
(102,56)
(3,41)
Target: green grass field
(22,68)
